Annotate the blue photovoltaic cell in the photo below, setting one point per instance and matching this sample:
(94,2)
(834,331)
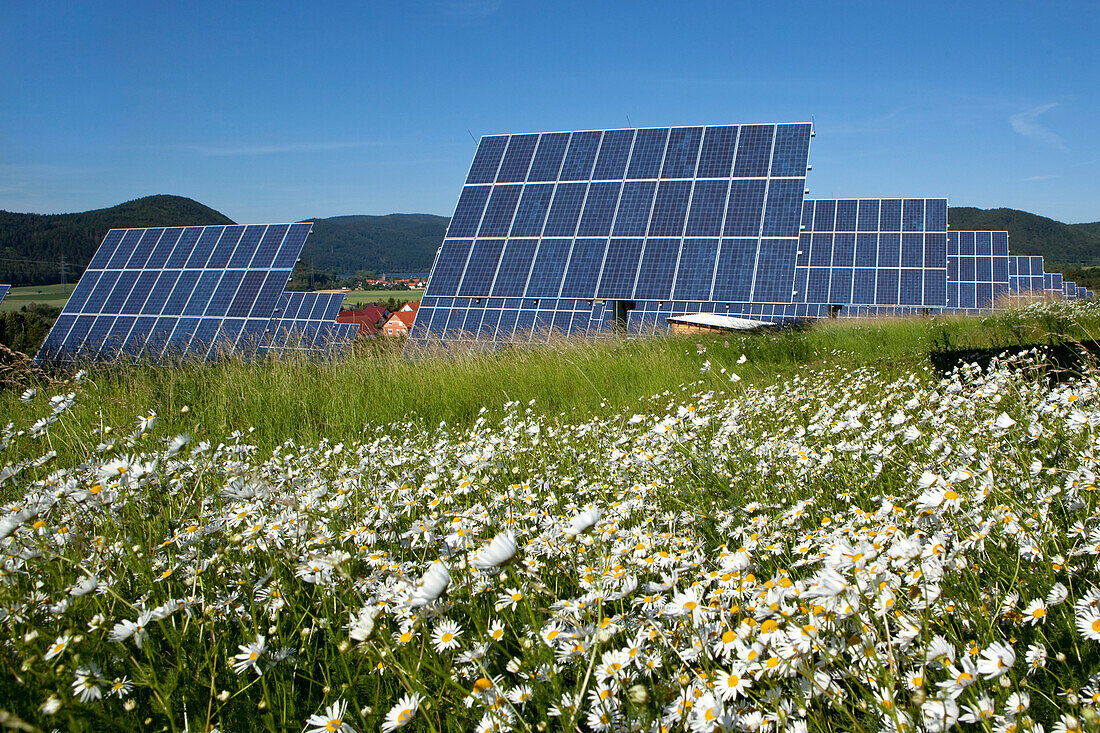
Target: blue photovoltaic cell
(707,214)
(548,267)
(515,265)
(165,291)
(4,291)
(657,269)
(682,152)
(484,258)
(549,156)
(619,269)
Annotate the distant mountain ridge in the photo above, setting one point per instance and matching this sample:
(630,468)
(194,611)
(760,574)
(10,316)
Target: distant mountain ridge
(393,243)
(1031,234)
(33,246)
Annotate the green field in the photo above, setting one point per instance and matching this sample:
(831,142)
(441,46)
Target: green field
(371,296)
(54,295)
(805,529)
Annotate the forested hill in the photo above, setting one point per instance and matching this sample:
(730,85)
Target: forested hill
(1031,234)
(33,246)
(394,243)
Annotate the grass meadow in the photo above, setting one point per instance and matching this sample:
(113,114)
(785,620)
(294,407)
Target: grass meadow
(807,530)
(52,295)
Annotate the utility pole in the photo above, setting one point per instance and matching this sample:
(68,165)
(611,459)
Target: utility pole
(64,273)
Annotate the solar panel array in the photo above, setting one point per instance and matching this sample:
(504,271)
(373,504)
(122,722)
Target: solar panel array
(550,227)
(4,291)
(196,292)
(580,232)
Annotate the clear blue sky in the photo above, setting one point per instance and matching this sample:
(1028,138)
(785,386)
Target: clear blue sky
(285,110)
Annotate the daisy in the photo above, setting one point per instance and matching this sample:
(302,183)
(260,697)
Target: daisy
(509,598)
(445,636)
(431,586)
(249,656)
(86,683)
(1088,623)
(1036,612)
(1036,658)
(733,684)
(402,713)
(121,687)
(496,553)
(331,721)
(996,660)
(59,646)
(583,522)
(496,630)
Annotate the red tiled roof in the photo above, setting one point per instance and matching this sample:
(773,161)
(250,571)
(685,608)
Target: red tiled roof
(408,316)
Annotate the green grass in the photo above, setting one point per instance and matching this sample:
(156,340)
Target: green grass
(942,508)
(307,400)
(54,295)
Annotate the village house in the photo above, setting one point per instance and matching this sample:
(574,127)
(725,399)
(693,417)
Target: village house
(401,321)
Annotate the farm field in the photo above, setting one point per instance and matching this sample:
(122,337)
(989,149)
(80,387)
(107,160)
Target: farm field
(370,296)
(797,530)
(54,295)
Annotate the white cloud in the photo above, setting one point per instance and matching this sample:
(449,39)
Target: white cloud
(1025,124)
(1040,178)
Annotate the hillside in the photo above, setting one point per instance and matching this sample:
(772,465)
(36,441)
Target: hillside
(393,243)
(1031,234)
(32,246)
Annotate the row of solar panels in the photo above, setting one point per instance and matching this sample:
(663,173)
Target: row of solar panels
(580,232)
(195,292)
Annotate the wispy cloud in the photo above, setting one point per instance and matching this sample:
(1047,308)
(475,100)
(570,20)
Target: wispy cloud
(1025,123)
(1040,178)
(314,147)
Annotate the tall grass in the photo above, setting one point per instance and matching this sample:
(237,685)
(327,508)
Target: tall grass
(377,384)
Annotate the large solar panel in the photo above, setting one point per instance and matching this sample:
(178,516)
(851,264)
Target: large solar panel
(573,231)
(4,291)
(877,254)
(196,292)
(978,271)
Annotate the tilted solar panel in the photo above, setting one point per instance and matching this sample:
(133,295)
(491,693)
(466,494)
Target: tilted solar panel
(877,255)
(979,271)
(196,292)
(571,231)
(4,291)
